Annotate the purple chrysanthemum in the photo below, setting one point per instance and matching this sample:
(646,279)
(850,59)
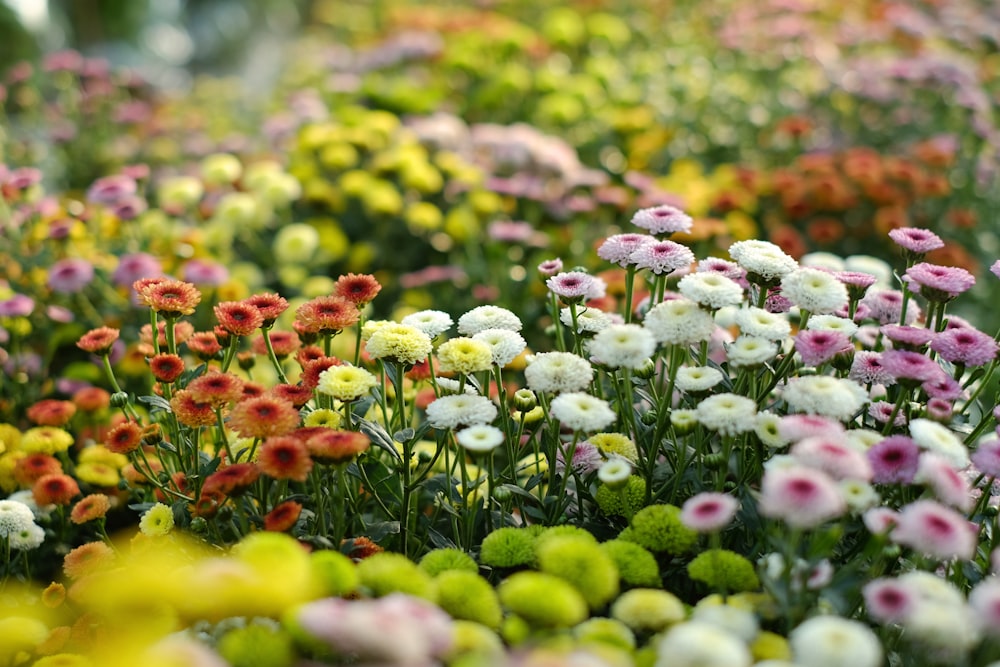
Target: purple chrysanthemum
(70,275)
(202,272)
(886,306)
(916,240)
(817,347)
(110,190)
(550,267)
(944,387)
(970,347)
(135,266)
(938,283)
(18,305)
(882,412)
(894,460)
(662,257)
(906,365)
(935,530)
(664,219)
(907,338)
(986,458)
(995,268)
(618,249)
(731,270)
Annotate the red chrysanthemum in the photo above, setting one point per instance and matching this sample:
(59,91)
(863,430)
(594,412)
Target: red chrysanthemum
(33,467)
(285,457)
(124,438)
(232,480)
(420,371)
(283,516)
(308,353)
(98,341)
(51,412)
(238,318)
(362,547)
(327,314)
(166,367)
(253,389)
(204,345)
(284,344)
(331,446)
(263,417)
(271,306)
(140,286)
(171,298)
(55,489)
(296,394)
(208,504)
(191,412)
(216,388)
(359,289)
(312,369)
(89,508)
(91,399)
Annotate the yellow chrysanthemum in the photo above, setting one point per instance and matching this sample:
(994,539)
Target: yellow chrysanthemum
(323,417)
(615,443)
(7,463)
(10,438)
(400,343)
(465,355)
(158,520)
(46,440)
(101,454)
(97,474)
(346,383)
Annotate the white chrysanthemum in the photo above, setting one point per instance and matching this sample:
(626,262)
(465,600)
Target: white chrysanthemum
(873,265)
(14,517)
(933,589)
(679,322)
(826,396)
(451,386)
(711,289)
(832,323)
(948,631)
(558,371)
(431,322)
(697,644)
(762,324)
(750,351)
(622,346)
(481,318)
(460,409)
(582,412)
(762,258)
(860,495)
(28,538)
(823,260)
(588,320)
(766,427)
(729,414)
(506,344)
(832,641)
(736,620)
(697,378)
(938,438)
(480,438)
(862,439)
(684,419)
(465,355)
(817,291)
(345,382)
(615,471)
(27,497)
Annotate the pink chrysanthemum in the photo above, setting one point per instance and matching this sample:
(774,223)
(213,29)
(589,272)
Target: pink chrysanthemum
(730,270)
(709,512)
(938,283)
(793,428)
(969,347)
(936,472)
(69,276)
(939,409)
(618,249)
(867,368)
(550,267)
(662,257)
(664,219)
(995,268)
(586,458)
(832,456)
(856,282)
(906,337)
(906,365)
(935,530)
(986,458)
(916,240)
(984,599)
(888,600)
(801,496)
(894,460)
(880,520)
(886,306)
(575,286)
(882,412)
(943,387)
(816,347)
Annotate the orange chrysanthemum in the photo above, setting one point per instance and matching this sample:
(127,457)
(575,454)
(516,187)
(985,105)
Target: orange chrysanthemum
(331,446)
(182,331)
(362,547)
(91,399)
(263,417)
(327,314)
(296,394)
(233,479)
(208,504)
(191,412)
(283,516)
(170,298)
(51,412)
(253,389)
(124,438)
(89,508)
(312,369)
(238,318)
(33,467)
(204,345)
(285,457)
(271,306)
(216,388)
(166,367)
(136,477)
(98,341)
(359,289)
(308,353)
(284,343)
(55,489)
(87,558)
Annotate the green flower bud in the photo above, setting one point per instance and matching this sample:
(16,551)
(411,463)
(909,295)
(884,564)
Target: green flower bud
(508,547)
(524,400)
(636,565)
(542,600)
(468,596)
(647,609)
(336,573)
(624,501)
(581,562)
(659,529)
(442,560)
(120,399)
(257,646)
(386,572)
(724,570)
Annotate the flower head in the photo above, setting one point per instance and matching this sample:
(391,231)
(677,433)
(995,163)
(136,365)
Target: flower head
(216,388)
(327,445)
(833,456)
(326,315)
(575,286)
(90,508)
(358,288)
(171,298)
(966,346)
(938,283)
(801,496)
(763,261)
(825,396)
(817,347)
(916,240)
(285,457)
(166,367)
(663,219)
(661,257)
(582,412)
(346,383)
(465,355)
(622,346)
(504,344)
(709,511)
(270,305)
(729,414)
(480,438)
(832,641)
(232,480)
(55,489)
(816,291)
(557,372)
(158,520)
(431,322)
(263,417)
(487,317)
(894,460)
(460,409)
(986,458)
(618,249)
(935,530)
(98,341)
(712,290)
(71,275)
(238,318)
(760,323)
(679,322)
(399,343)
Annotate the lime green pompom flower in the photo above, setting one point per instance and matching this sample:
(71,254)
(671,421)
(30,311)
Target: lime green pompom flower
(474,645)
(543,600)
(659,529)
(625,501)
(508,547)
(608,631)
(468,596)
(722,569)
(581,562)
(257,646)
(648,609)
(387,572)
(336,574)
(636,566)
(442,560)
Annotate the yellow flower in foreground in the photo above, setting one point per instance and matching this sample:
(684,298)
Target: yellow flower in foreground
(399,343)
(158,520)
(465,355)
(346,383)
(323,417)
(46,440)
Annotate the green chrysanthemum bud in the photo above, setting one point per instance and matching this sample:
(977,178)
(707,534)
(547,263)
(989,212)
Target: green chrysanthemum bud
(608,631)
(726,570)
(659,529)
(636,566)
(468,596)
(581,562)
(625,501)
(441,560)
(386,572)
(508,547)
(336,573)
(542,600)
(647,609)
(257,646)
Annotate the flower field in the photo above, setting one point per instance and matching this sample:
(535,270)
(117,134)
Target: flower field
(661,334)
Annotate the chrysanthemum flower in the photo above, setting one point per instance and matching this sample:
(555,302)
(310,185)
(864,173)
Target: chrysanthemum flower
(51,412)
(866,368)
(907,337)
(832,641)
(622,346)
(89,508)
(346,383)
(296,394)
(826,396)
(888,600)
(46,439)
(98,341)
(327,314)
(238,318)
(283,517)
(233,479)
(328,445)
(557,372)
(727,413)
(801,496)
(760,323)
(14,517)
(767,428)
(263,417)
(886,306)
(986,458)
(460,409)
(171,298)
(87,558)
(431,322)
(504,344)
(697,379)
(576,286)
(191,412)
(270,305)
(618,248)
(662,257)
(894,460)
(399,344)
(313,368)
(750,351)
(158,520)
(709,511)
(663,219)
(833,456)
(216,388)
(358,288)
(465,355)
(91,399)
(32,467)
(814,290)
(70,275)
(984,599)
(712,290)
(55,489)
(700,643)
(588,320)
(679,322)
(550,267)
(935,530)
(932,436)
(285,457)
(966,346)
(763,261)
(586,458)
(487,317)
(938,283)
(819,347)
(480,438)
(166,368)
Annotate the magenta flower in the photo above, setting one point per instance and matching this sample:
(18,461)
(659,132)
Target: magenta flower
(832,456)
(943,387)
(939,409)
(801,496)
(817,347)
(207,273)
(934,530)
(586,458)
(111,189)
(866,368)
(888,600)
(936,473)
(894,460)
(135,266)
(986,458)
(575,286)
(881,411)
(906,365)
(550,267)
(68,276)
(618,249)
(18,305)
(916,240)
(856,282)
(709,512)
(798,427)
(938,283)
(886,306)
(731,270)
(129,208)
(969,347)
(662,257)
(906,337)
(663,219)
